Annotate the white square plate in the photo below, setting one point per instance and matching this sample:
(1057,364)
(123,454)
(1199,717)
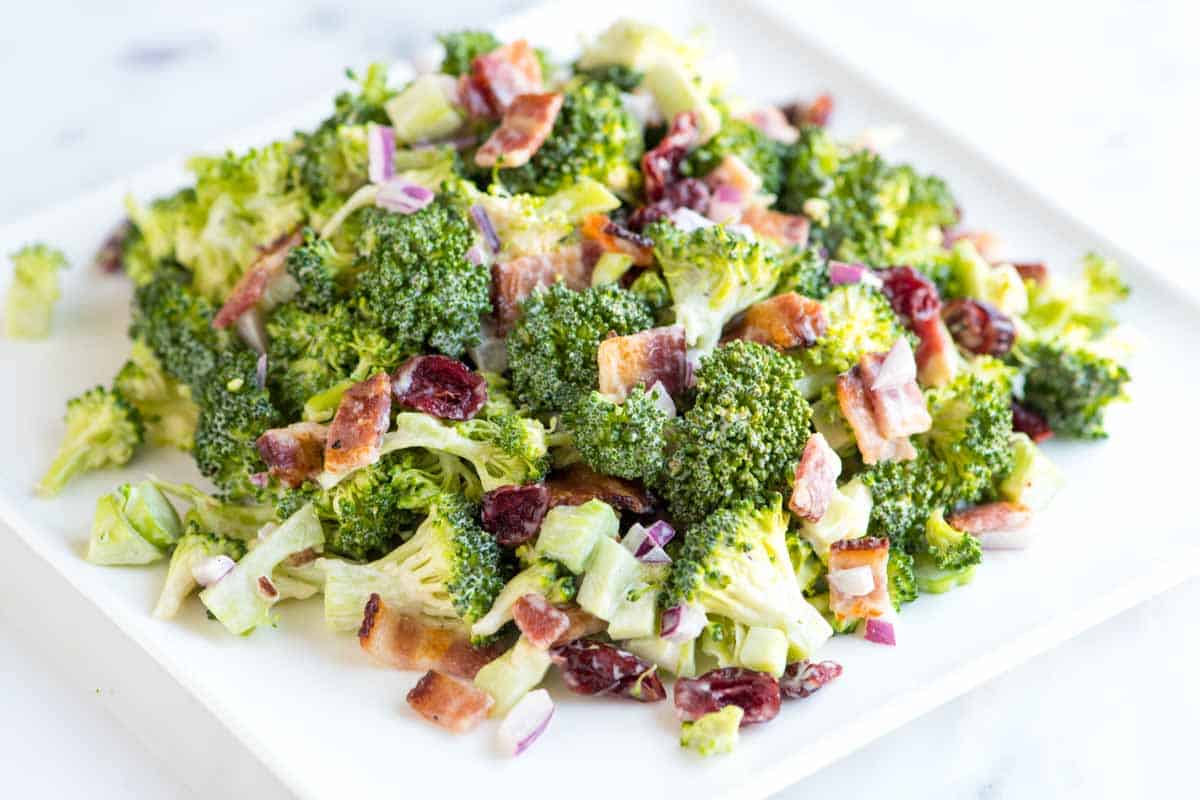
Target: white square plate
(331,724)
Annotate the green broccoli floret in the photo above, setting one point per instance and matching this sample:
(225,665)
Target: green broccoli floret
(233,413)
(552,349)
(904,494)
(103,429)
(33,292)
(804,271)
(743,435)
(950,548)
(619,75)
(417,284)
(164,403)
(1070,384)
(713,274)
(861,320)
(543,576)
(593,137)
(903,584)
(623,439)
(1085,305)
(449,572)
(193,548)
(713,733)
(759,152)
(176,323)
(462,47)
(320,271)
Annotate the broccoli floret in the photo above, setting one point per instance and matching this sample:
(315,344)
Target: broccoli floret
(177,325)
(543,576)
(33,292)
(805,562)
(552,349)
(103,429)
(449,572)
(861,320)
(164,403)
(743,435)
(903,584)
(1070,385)
(1084,306)
(623,439)
(962,272)
(759,152)
(320,271)
(417,284)
(903,495)
(193,548)
(804,271)
(462,47)
(714,733)
(713,274)
(593,137)
(233,413)
(948,547)
(619,75)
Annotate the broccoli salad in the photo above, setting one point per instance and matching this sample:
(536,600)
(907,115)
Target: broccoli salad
(590,367)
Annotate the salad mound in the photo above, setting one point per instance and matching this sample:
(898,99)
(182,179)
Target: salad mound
(591,367)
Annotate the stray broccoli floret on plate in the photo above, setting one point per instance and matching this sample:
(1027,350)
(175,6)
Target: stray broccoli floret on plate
(743,435)
(1070,385)
(233,413)
(177,325)
(462,47)
(165,404)
(33,292)
(416,282)
(746,141)
(448,573)
(950,548)
(103,430)
(714,733)
(552,349)
(623,439)
(713,274)
(861,320)
(193,548)
(133,524)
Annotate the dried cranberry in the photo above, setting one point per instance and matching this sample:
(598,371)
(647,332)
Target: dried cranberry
(596,668)
(913,296)
(660,166)
(649,214)
(688,193)
(441,386)
(1029,422)
(1032,271)
(756,693)
(514,513)
(803,678)
(979,327)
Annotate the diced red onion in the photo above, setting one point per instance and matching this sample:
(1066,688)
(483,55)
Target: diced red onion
(682,623)
(526,721)
(635,538)
(480,215)
(1012,539)
(688,220)
(381,150)
(253,331)
(210,570)
(880,631)
(402,197)
(478,255)
(662,399)
(260,372)
(898,368)
(646,543)
(853,582)
(725,204)
(660,533)
(654,555)
(841,273)
(260,479)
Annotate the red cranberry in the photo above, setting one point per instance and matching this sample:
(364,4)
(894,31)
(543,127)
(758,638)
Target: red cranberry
(514,513)
(1029,422)
(590,667)
(979,327)
(756,693)
(803,678)
(913,296)
(660,166)
(440,386)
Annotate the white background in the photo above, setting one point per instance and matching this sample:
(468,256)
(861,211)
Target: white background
(1096,108)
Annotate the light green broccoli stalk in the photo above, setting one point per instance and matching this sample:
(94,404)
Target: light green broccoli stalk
(33,292)
(713,733)
(242,599)
(195,547)
(134,524)
(241,521)
(164,403)
(1034,479)
(932,579)
(949,547)
(103,430)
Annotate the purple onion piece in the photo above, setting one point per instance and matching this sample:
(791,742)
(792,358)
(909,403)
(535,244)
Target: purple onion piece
(260,372)
(480,215)
(381,149)
(661,532)
(403,198)
(880,631)
(682,623)
(636,538)
(655,555)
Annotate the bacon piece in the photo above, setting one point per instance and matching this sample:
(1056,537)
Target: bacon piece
(658,355)
(499,77)
(783,322)
(734,172)
(868,551)
(856,408)
(406,643)
(815,113)
(937,356)
(986,243)
(513,281)
(579,483)
(899,410)
(1034,271)
(526,124)
(774,123)
(614,238)
(449,702)
(580,624)
(1001,515)
(541,623)
(269,267)
(294,454)
(786,229)
(815,480)
(356,432)
(660,165)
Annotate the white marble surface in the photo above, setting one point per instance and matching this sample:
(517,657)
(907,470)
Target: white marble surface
(1096,108)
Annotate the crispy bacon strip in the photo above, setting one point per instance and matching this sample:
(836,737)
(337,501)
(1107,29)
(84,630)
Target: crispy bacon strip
(541,623)
(1034,271)
(815,113)
(989,517)
(581,624)
(900,410)
(660,165)
(937,355)
(986,243)
(294,454)
(786,229)
(774,123)
(658,355)
(449,702)
(856,408)
(358,426)
(815,480)
(499,77)
(578,483)
(405,643)
(614,238)
(734,172)
(867,551)
(514,280)
(526,124)
(785,321)
(270,265)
